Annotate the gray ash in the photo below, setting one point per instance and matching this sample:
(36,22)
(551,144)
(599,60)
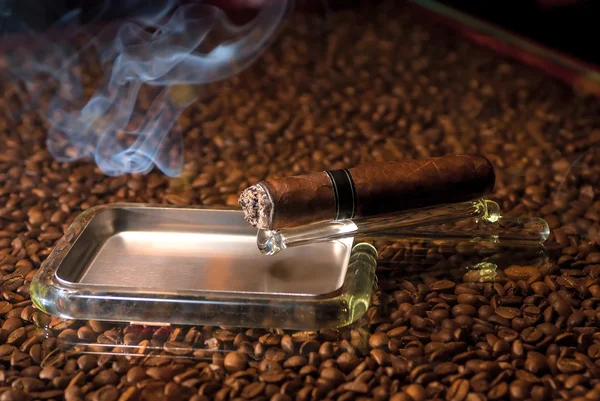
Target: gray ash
(257,206)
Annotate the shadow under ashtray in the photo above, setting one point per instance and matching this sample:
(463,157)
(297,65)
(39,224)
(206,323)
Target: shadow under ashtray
(427,261)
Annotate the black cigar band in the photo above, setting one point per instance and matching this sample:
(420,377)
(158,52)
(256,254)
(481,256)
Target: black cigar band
(345,193)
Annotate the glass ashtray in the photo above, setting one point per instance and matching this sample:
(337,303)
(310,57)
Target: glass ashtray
(170,265)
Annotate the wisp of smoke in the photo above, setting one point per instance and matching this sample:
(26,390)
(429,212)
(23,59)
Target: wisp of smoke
(172,50)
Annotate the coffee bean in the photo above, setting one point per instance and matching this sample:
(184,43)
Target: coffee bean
(98,327)
(507,312)
(12,324)
(20,360)
(357,387)
(464,309)
(540,288)
(309,346)
(287,344)
(49,373)
(577,318)
(442,285)
(378,340)
(569,366)
(593,257)
(517,273)
(416,392)
(501,347)
(14,395)
(381,357)
(397,332)
(561,307)
(87,362)
(531,335)
(178,348)
(5,307)
(574,381)
(333,374)
(498,391)
(380,393)
(346,362)
(106,393)
(253,390)
(520,389)
(28,384)
(235,362)
(593,351)
(326,350)
(295,362)
(539,393)
(479,384)
(268,339)
(458,391)
(273,376)
(106,377)
(136,374)
(535,362)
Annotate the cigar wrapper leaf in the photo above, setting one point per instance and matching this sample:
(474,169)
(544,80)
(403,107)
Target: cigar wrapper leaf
(367,190)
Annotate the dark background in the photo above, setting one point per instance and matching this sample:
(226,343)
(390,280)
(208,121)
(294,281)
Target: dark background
(569,26)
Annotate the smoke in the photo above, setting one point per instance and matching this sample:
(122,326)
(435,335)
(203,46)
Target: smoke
(153,63)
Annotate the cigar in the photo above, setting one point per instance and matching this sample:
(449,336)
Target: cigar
(366,190)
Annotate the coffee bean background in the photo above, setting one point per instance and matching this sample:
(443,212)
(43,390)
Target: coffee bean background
(374,85)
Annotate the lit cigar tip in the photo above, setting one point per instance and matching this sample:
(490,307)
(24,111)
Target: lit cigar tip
(257,206)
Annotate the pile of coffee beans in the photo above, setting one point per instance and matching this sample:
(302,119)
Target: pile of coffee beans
(369,85)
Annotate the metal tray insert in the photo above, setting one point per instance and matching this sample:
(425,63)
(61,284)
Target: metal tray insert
(173,250)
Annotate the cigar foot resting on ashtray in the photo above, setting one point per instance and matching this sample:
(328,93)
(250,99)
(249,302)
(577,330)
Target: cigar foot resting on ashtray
(365,191)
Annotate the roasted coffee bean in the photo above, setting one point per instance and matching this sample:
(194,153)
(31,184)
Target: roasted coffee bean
(498,391)
(136,374)
(559,305)
(416,392)
(458,390)
(569,366)
(464,310)
(87,362)
(106,393)
(333,374)
(540,288)
(295,362)
(378,340)
(14,395)
(507,312)
(517,273)
(235,362)
(536,363)
(531,335)
(287,344)
(442,285)
(346,362)
(106,377)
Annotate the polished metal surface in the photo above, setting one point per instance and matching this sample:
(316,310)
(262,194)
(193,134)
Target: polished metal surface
(169,250)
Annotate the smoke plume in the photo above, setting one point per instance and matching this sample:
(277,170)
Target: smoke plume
(152,63)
